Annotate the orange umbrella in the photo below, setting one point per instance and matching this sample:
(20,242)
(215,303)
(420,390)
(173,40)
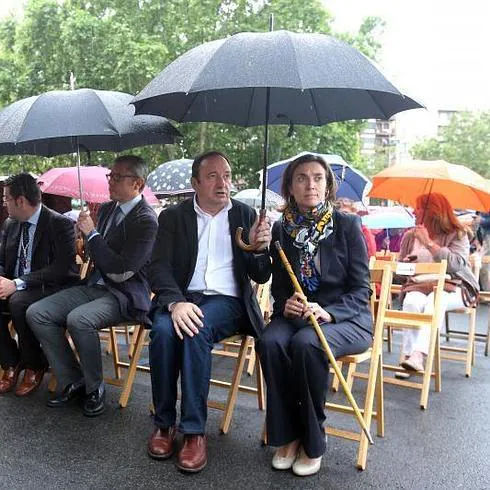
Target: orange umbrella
(464,188)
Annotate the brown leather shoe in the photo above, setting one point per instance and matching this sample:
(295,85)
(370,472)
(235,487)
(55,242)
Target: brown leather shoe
(193,456)
(161,442)
(32,379)
(9,379)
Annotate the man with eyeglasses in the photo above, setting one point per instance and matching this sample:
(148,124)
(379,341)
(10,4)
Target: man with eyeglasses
(37,258)
(116,290)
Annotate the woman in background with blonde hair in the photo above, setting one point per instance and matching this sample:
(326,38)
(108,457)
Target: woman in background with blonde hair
(438,236)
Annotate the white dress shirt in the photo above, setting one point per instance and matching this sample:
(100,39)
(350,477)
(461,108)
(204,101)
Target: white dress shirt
(214,266)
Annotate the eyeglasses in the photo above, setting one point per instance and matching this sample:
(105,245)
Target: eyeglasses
(119,177)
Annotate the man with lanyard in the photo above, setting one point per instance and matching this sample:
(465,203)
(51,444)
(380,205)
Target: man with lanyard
(201,281)
(37,258)
(117,289)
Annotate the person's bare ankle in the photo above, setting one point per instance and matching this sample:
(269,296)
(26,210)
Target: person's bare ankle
(288,449)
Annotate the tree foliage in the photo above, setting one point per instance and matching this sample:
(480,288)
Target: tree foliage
(464,141)
(122,44)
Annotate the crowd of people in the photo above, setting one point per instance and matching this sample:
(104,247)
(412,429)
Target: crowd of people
(202,293)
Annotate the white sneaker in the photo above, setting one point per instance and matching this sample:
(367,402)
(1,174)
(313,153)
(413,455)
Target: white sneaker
(306,469)
(283,463)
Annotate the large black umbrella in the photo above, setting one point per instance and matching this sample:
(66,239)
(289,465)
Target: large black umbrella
(62,121)
(275,77)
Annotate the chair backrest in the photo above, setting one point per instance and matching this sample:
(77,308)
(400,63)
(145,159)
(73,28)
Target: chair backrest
(387,255)
(381,274)
(263,294)
(436,268)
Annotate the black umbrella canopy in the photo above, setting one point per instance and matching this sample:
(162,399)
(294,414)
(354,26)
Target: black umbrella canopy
(56,122)
(312,79)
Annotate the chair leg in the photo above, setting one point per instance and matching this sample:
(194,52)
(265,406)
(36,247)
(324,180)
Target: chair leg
(446,326)
(368,410)
(350,375)
(52,383)
(260,384)
(115,352)
(264,438)
(335,380)
(437,365)
(235,385)
(487,343)
(433,346)
(471,342)
(251,360)
(140,335)
(380,402)
(390,338)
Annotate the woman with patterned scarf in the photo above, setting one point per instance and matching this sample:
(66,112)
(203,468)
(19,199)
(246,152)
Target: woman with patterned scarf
(328,254)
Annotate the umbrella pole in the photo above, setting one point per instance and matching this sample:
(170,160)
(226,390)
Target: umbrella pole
(265,161)
(326,347)
(79,176)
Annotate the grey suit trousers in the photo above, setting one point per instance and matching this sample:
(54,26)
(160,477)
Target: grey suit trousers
(82,311)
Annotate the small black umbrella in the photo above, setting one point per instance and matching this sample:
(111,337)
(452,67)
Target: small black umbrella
(276,77)
(171,178)
(61,121)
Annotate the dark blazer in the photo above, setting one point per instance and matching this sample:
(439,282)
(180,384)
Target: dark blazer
(344,289)
(175,255)
(122,257)
(53,251)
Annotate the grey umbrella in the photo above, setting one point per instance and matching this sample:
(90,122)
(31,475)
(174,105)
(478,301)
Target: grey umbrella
(61,121)
(171,178)
(276,77)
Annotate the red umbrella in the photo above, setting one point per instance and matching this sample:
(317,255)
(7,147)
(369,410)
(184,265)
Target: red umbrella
(64,182)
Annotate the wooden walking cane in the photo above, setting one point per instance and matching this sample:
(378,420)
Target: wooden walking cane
(323,341)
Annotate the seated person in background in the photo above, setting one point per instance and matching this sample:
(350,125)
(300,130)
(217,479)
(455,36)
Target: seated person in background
(437,236)
(116,290)
(37,258)
(329,258)
(389,239)
(347,206)
(201,281)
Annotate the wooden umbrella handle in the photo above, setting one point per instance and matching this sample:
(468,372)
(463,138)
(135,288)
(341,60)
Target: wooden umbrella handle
(324,343)
(239,232)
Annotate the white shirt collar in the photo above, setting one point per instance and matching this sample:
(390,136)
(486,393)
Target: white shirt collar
(128,206)
(35,216)
(200,212)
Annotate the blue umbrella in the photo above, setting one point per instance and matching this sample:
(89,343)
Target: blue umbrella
(388,219)
(352,183)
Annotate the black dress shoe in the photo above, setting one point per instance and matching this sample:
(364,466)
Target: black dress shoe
(71,393)
(94,403)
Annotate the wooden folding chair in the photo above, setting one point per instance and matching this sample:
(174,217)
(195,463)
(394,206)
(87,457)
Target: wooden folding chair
(380,274)
(394,291)
(407,320)
(467,354)
(246,351)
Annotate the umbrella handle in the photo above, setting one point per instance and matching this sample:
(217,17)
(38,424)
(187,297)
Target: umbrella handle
(239,232)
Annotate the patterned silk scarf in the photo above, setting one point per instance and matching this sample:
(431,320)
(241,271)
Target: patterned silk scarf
(307,230)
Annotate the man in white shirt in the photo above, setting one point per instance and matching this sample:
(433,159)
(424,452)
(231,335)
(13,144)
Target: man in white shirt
(201,281)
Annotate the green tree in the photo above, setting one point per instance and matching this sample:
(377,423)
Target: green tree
(122,44)
(464,141)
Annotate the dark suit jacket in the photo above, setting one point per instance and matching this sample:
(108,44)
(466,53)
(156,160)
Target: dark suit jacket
(53,251)
(344,289)
(122,257)
(175,255)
